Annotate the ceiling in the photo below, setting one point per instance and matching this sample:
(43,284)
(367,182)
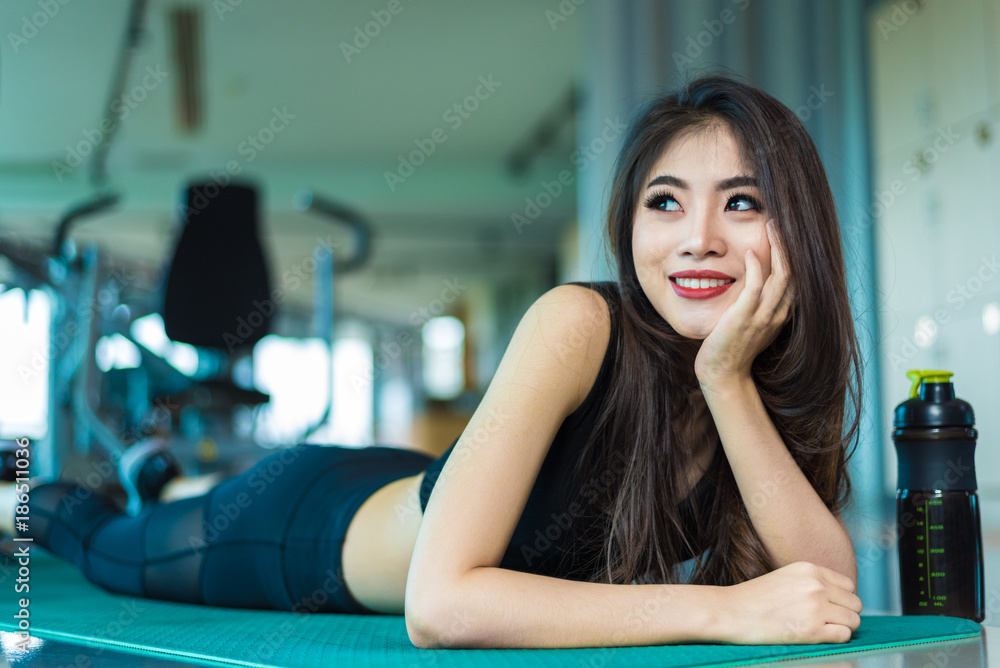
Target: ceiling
(329,110)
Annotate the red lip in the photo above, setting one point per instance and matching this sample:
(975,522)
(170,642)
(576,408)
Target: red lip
(702,273)
(700,293)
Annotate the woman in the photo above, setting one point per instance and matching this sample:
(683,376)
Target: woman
(629,427)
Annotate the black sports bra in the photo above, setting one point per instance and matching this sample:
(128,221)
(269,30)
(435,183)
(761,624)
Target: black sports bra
(543,540)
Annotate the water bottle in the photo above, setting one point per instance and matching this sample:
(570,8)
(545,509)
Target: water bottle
(937,509)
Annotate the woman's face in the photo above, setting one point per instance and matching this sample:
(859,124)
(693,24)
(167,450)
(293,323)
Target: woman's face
(699,210)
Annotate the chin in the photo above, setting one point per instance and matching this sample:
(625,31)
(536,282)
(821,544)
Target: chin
(697,334)
(695,330)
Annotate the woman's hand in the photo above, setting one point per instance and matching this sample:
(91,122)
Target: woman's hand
(751,323)
(801,603)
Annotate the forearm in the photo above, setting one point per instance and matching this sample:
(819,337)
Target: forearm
(789,516)
(501,608)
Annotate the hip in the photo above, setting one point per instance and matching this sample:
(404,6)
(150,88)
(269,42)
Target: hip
(379,542)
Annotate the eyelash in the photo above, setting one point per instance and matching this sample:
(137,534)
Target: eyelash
(656,199)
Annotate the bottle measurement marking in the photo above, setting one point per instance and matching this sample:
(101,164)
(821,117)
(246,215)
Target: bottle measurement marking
(930,595)
(927,542)
(936,600)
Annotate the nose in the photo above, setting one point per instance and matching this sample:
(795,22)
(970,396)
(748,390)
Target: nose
(703,234)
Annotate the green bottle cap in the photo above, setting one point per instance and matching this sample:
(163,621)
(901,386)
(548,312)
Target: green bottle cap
(918,376)
(932,402)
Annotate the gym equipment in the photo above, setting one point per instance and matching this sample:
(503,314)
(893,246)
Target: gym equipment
(216,279)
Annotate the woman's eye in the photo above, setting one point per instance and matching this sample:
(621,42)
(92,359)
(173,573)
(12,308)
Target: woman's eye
(662,202)
(754,205)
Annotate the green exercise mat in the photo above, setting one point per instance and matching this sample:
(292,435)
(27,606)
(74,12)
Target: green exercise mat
(63,605)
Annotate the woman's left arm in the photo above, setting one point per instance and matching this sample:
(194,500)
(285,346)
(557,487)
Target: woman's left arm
(791,519)
(789,516)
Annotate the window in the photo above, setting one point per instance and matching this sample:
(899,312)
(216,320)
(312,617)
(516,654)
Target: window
(24,363)
(443,356)
(291,371)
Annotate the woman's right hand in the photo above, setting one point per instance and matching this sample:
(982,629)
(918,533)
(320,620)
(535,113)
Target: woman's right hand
(801,603)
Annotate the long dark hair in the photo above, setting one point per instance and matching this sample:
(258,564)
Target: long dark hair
(807,378)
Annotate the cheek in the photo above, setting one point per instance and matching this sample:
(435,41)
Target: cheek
(765,263)
(762,250)
(642,247)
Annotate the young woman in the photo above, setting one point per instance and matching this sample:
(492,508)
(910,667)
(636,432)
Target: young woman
(692,412)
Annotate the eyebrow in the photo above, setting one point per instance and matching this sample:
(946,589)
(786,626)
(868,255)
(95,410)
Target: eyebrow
(725,184)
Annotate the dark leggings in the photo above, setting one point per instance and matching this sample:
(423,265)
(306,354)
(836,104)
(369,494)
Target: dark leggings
(270,537)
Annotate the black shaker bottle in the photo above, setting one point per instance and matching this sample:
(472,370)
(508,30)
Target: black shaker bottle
(937,509)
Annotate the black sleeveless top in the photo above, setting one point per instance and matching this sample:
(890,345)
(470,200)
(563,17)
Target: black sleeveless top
(555,516)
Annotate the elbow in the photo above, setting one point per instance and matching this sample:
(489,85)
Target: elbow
(425,634)
(850,555)
(423,626)
(847,560)
(439,626)
(419,634)
(419,628)
(437,616)
(852,570)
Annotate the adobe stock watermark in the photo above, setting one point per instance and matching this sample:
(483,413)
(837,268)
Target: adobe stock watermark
(250,148)
(453,634)
(696,45)
(595,487)
(268,644)
(121,107)
(900,15)
(914,168)
(817,98)
(128,613)
(363,35)
(488,425)
(581,158)
(292,279)
(992,607)
(101,470)
(389,351)
(481,430)
(226,513)
(959,295)
(87,309)
(564,10)
(454,116)
(30,26)
(223,7)
(888,537)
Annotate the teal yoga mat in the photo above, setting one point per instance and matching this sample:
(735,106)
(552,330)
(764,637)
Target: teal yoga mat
(63,605)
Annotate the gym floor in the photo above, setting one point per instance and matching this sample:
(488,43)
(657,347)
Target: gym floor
(964,654)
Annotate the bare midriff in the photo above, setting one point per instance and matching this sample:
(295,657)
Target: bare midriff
(379,544)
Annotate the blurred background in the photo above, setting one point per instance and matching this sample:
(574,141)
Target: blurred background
(413,176)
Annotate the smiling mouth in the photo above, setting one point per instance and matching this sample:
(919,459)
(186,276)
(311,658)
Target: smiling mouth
(701,283)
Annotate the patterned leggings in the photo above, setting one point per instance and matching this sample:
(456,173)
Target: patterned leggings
(270,537)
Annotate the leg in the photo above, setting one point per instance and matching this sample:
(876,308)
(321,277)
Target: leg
(270,537)
(119,552)
(181,487)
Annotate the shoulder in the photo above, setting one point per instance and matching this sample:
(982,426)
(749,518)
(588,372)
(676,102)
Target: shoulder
(578,298)
(576,313)
(575,323)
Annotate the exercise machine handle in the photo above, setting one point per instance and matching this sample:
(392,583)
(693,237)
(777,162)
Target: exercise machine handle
(96,204)
(361,231)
